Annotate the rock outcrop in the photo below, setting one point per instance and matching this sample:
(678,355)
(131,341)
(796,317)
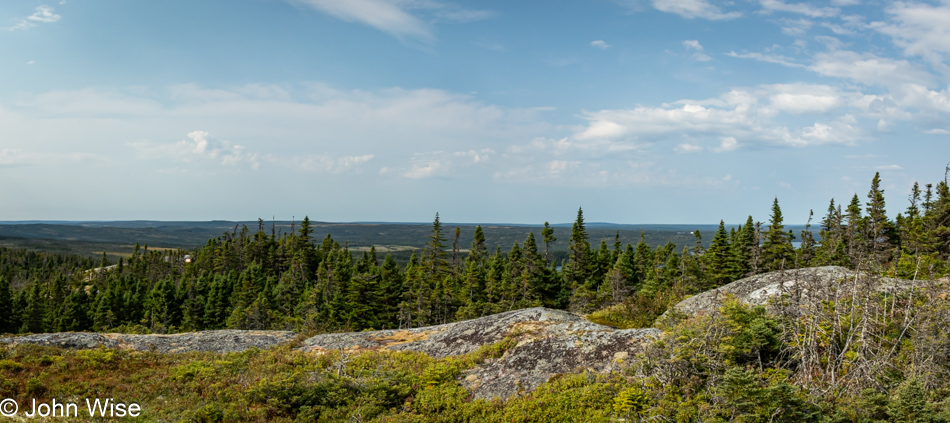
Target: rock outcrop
(550,342)
(798,287)
(219,341)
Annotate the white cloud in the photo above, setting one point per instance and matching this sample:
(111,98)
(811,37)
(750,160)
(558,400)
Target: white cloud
(698,48)
(424,165)
(768,58)
(394,17)
(800,8)
(920,29)
(15,157)
(687,148)
(755,116)
(601,44)
(868,68)
(889,167)
(320,162)
(937,131)
(802,98)
(728,144)
(42,14)
(691,9)
(693,45)
(383,15)
(199,146)
(426,168)
(796,27)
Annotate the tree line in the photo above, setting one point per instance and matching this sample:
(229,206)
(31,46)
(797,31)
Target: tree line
(268,280)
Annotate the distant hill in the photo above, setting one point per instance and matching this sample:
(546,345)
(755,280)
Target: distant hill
(117,238)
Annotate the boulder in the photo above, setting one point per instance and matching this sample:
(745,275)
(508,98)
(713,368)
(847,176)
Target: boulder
(550,342)
(798,287)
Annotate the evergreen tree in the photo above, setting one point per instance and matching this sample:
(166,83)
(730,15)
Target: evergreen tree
(6,307)
(833,248)
(75,317)
(547,235)
(479,250)
(806,252)
(743,249)
(434,259)
(777,251)
(35,311)
(881,235)
(720,263)
(854,232)
(103,317)
(577,270)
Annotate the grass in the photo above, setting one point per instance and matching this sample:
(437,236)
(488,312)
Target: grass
(285,385)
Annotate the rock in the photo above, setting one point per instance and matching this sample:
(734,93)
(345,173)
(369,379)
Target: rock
(219,341)
(799,287)
(550,342)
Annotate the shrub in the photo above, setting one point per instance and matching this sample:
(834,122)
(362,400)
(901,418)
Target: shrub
(10,366)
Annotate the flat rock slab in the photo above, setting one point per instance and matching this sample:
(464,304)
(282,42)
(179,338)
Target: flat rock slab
(799,286)
(219,341)
(550,342)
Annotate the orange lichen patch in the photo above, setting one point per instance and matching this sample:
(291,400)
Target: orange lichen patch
(403,337)
(529,327)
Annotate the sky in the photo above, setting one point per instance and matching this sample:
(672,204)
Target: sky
(640,111)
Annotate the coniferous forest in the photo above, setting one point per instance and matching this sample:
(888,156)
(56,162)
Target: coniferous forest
(740,365)
(258,279)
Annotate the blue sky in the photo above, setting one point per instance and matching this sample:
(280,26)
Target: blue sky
(655,111)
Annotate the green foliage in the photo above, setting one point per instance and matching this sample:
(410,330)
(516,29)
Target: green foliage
(630,402)
(751,337)
(10,366)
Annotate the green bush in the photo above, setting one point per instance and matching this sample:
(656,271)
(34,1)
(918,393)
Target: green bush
(10,366)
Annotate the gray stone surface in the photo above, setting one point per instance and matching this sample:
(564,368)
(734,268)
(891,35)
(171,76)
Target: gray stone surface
(799,286)
(550,342)
(219,341)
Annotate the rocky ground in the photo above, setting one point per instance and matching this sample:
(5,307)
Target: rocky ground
(220,341)
(550,342)
(799,287)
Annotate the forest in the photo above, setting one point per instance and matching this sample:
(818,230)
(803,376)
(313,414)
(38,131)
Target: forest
(741,365)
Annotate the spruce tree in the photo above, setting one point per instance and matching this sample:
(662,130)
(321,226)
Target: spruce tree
(479,250)
(578,267)
(75,316)
(434,259)
(720,268)
(742,249)
(547,235)
(35,311)
(777,250)
(854,237)
(806,252)
(6,306)
(881,234)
